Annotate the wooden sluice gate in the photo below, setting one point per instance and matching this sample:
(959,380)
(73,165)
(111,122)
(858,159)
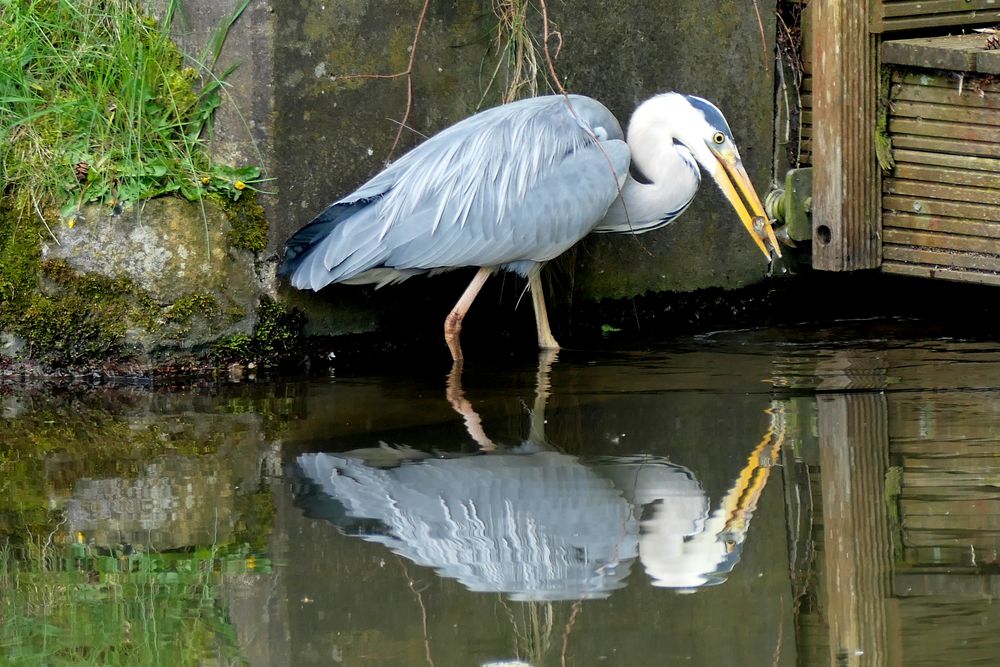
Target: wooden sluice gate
(901,125)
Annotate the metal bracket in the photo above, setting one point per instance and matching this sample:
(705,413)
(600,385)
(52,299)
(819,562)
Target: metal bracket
(792,206)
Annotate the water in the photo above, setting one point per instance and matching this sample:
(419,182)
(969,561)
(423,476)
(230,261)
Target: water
(792,496)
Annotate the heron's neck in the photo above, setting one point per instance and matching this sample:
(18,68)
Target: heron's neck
(671,179)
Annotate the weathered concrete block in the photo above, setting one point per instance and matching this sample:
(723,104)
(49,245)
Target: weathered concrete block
(168,246)
(189,285)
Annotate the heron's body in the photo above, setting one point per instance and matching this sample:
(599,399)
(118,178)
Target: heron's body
(509,188)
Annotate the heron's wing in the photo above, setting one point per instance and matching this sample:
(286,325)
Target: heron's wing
(321,226)
(561,206)
(522,181)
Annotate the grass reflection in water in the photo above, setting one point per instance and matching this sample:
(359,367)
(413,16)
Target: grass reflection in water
(74,604)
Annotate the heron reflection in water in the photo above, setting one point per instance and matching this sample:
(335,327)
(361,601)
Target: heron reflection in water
(537,524)
(517,185)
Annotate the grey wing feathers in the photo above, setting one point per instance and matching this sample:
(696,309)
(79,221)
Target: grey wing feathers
(522,181)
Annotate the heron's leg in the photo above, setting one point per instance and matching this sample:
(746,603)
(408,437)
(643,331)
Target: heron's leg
(545,339)
(543,387)
(453,323)
(461,405)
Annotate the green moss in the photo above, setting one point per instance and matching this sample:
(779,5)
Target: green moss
(248,223)
(20,249)
(256,519)
(235,347)
(71,331)
(277,339)
(70,319)
(103,444)
(76,319)
(883,142)
(187,307)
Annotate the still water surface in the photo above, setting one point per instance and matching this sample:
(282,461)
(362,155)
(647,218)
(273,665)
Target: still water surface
(795,496)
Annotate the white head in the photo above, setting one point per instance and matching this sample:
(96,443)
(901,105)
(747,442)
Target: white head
(685,123)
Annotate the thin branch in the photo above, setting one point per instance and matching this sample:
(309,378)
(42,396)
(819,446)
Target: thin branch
(408,73)
(423,611)
(409,79)
(568,630)
(546,34)
(763,37)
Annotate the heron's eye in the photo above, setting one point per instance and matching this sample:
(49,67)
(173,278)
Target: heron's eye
(719,138)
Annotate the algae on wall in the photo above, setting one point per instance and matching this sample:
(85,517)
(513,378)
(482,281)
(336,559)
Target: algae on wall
(162,279)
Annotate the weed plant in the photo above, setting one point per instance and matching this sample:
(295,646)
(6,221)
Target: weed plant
(98,105)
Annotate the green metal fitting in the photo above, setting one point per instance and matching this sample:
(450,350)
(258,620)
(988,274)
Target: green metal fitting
(792,205)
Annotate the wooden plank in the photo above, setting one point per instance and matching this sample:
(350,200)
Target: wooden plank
(986,507)
(938,207)
(952,80)
(986,541)
(945,492)
(846,207)
(923,447)
(940,258)
(969,463)
(967,177)
(953,557)
(944,145)
(980,587)
(971,162)
(943,241)
(957,275)
(986,523)
(988,62)
(959,193)
(951,130)
(936,224)
(966,97)
(923,478)
(954,52)
(854,449)
(982,17)
(947,112)
(904,8)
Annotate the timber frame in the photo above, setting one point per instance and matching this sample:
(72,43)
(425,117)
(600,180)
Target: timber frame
(932,213)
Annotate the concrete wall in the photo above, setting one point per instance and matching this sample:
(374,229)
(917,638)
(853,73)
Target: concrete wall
(321,134)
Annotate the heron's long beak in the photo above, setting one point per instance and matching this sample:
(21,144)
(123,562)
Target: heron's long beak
(731,175)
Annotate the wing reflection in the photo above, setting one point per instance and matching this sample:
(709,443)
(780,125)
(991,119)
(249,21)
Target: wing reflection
(537,524)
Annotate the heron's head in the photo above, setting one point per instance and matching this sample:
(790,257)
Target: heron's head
(698,125)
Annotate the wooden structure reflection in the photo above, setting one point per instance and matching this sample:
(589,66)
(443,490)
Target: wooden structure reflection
(905,513)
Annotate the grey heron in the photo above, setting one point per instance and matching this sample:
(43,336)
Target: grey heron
(515,186)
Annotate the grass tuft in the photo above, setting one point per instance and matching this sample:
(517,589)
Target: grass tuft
(97,105)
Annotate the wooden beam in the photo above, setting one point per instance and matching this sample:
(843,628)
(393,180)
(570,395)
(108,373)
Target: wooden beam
(854,453)
(846,206)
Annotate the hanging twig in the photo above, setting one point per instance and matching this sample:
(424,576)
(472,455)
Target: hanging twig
(408,73)
(763,37)
(546,34)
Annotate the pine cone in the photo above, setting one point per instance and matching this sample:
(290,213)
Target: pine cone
(81,169)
